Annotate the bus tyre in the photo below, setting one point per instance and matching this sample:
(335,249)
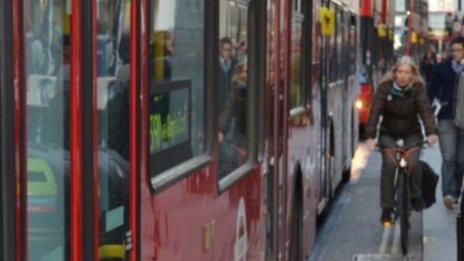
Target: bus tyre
(296,227)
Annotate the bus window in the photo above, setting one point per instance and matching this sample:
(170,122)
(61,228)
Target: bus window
(176,83)
(113,72)
(47,58)
(353,44)
(296,68)
(339,42)
(232,98)
(332,50)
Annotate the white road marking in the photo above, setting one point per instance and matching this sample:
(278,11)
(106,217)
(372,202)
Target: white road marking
(385,239)
(396,244)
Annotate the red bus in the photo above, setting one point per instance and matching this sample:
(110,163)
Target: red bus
(376,37)
(172,130)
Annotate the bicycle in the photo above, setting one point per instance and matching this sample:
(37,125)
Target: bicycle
(402,198)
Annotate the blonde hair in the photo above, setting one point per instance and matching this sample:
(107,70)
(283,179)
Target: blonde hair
(404,60)
(239,69)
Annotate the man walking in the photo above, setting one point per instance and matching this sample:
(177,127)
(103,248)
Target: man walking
(442,85)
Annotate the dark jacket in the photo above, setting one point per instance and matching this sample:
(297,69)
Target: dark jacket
(426,67)
(400,111)
(224,84)
(235,107)
(441,85)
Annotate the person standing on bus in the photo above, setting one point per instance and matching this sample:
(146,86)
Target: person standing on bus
(227,67)
(441,86)
(236,108)
(400,97)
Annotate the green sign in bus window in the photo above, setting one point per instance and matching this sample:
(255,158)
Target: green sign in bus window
(169,125)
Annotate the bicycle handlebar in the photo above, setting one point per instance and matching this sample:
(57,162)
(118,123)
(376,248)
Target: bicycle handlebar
(419,144)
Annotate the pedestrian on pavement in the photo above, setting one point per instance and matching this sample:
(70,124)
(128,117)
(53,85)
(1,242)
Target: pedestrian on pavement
(442,86)
(428,62)
(400,97)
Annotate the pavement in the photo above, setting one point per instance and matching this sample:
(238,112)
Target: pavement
(352,230)
(439,223)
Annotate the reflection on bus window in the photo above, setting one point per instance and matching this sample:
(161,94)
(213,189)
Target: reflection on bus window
(233,86)
(113,72)
(47,48)
(176,111)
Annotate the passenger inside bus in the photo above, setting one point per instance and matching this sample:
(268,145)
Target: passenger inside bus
(235,105)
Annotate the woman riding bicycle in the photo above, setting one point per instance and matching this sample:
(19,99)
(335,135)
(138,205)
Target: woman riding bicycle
(400,97)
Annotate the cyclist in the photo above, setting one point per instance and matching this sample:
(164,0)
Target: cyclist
(400,97)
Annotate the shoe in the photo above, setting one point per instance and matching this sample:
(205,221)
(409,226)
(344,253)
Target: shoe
(448,201)
(417,204)
(386,219)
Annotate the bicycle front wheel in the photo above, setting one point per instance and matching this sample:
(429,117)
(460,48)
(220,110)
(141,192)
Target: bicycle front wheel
(404,212)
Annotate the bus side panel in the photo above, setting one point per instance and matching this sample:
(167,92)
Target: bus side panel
(302,155)
(239,220)
(173,221)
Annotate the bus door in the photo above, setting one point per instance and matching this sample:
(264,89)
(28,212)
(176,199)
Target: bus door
(326,74)
(75,106)
(275,90)
(347,86)
(273,110)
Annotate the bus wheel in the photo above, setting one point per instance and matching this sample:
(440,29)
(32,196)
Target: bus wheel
(296,225)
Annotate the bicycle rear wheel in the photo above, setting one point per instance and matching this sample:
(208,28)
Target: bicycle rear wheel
(404,212)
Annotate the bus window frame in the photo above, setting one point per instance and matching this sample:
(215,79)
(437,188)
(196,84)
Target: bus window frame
(171,176)
(255,85)
(258,76)
(8,247)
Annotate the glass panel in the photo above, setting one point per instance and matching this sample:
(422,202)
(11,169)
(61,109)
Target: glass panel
(339,41)
(353,52)
(233,85)
(113,72)
(332,50)
(47,43)
(296,90)
(176,111)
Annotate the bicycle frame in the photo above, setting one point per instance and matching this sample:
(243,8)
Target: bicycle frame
(402,197)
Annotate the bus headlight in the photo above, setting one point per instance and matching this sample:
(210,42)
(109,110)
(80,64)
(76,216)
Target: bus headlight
(359,104)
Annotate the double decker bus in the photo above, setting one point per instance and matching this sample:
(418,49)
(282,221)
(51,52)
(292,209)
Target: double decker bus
(376,44)
(172,130)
